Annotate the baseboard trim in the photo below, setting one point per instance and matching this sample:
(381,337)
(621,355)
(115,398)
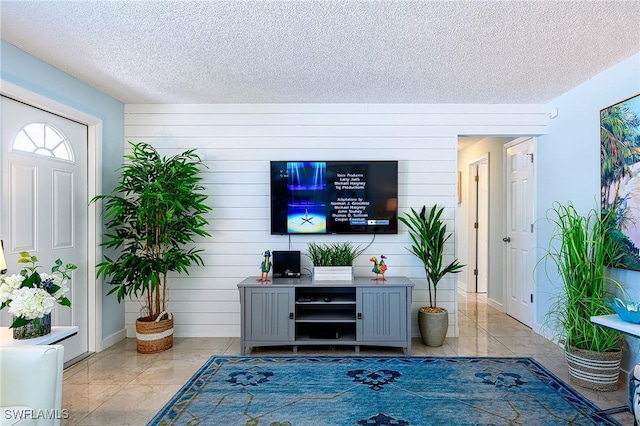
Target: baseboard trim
(495,305)
(114,338)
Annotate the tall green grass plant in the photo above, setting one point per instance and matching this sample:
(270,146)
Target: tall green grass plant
(579,249)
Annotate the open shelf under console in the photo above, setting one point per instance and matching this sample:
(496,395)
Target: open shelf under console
(302,312)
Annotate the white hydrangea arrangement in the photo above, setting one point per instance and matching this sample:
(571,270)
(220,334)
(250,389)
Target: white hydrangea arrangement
(32,294)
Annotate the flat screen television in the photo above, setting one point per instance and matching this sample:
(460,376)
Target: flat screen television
(334,197)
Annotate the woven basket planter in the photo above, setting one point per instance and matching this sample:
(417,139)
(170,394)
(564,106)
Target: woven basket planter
(594,370)
(154,336)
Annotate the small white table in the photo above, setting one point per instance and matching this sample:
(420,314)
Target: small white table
(58,334)
(614,321)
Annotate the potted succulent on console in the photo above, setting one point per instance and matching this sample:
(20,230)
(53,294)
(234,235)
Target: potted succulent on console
(580,249)
(152,217)
(429,235)
(332,261)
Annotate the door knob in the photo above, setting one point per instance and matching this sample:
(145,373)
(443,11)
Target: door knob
(507,239)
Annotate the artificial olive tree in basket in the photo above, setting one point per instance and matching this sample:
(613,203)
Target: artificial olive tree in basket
(429,235)
(152,218)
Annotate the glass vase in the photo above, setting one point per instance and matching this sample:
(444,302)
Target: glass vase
(38,327)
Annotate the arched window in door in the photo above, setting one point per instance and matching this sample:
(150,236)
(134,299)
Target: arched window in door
(45,140)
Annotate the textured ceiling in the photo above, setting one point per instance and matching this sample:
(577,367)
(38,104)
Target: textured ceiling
(326,51)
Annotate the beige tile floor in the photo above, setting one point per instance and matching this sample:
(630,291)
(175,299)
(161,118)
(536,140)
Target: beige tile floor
(121,387)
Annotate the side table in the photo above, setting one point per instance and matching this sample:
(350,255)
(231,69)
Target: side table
(58,334)
(615,322)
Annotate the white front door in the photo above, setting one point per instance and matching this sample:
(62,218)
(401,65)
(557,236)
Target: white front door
(44,203)
(519,238)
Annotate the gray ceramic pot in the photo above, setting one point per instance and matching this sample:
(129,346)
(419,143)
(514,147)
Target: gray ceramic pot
(433,327)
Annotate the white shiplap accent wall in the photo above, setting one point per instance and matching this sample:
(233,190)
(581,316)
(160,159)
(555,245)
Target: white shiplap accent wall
(238,141)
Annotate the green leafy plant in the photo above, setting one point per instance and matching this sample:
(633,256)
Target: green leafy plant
(333,254)
(152,218)
(429,236)
(580,250)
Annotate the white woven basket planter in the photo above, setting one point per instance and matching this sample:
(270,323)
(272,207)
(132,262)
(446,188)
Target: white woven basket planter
(594,370)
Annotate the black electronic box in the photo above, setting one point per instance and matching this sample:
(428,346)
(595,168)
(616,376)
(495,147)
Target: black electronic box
(286,264)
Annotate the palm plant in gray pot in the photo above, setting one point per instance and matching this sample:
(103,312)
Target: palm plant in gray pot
(429,235)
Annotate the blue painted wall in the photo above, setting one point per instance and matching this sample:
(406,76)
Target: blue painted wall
(20,68)
(568,166)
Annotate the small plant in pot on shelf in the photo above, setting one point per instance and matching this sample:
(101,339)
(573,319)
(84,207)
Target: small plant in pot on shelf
(429,235)
(152,218)
(580,250)
(333,261)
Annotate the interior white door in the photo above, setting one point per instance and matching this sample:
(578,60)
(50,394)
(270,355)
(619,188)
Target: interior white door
(519,239)
(479,225)
(44,203)
(483,227)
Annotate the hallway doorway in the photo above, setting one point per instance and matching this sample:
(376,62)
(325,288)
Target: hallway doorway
(486,155)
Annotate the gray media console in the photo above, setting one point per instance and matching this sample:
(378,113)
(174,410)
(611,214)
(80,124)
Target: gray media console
(298,311)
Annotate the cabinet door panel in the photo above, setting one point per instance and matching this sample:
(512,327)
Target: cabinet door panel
(268,310)
(384,315)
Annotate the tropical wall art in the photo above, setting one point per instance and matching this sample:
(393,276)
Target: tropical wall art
(620,175)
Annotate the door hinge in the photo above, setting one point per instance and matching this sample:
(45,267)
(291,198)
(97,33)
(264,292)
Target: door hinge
(477,178)
(475,225)
(475,272)
(532,228)
(531,298)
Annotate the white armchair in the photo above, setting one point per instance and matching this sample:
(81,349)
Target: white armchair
(634,395)
(31,385)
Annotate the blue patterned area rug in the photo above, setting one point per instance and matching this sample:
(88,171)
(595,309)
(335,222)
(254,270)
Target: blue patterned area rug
(318,391)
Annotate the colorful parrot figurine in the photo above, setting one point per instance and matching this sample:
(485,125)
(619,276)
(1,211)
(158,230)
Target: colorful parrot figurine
(376,269)
(265,267)
(379,267)
(382,266)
